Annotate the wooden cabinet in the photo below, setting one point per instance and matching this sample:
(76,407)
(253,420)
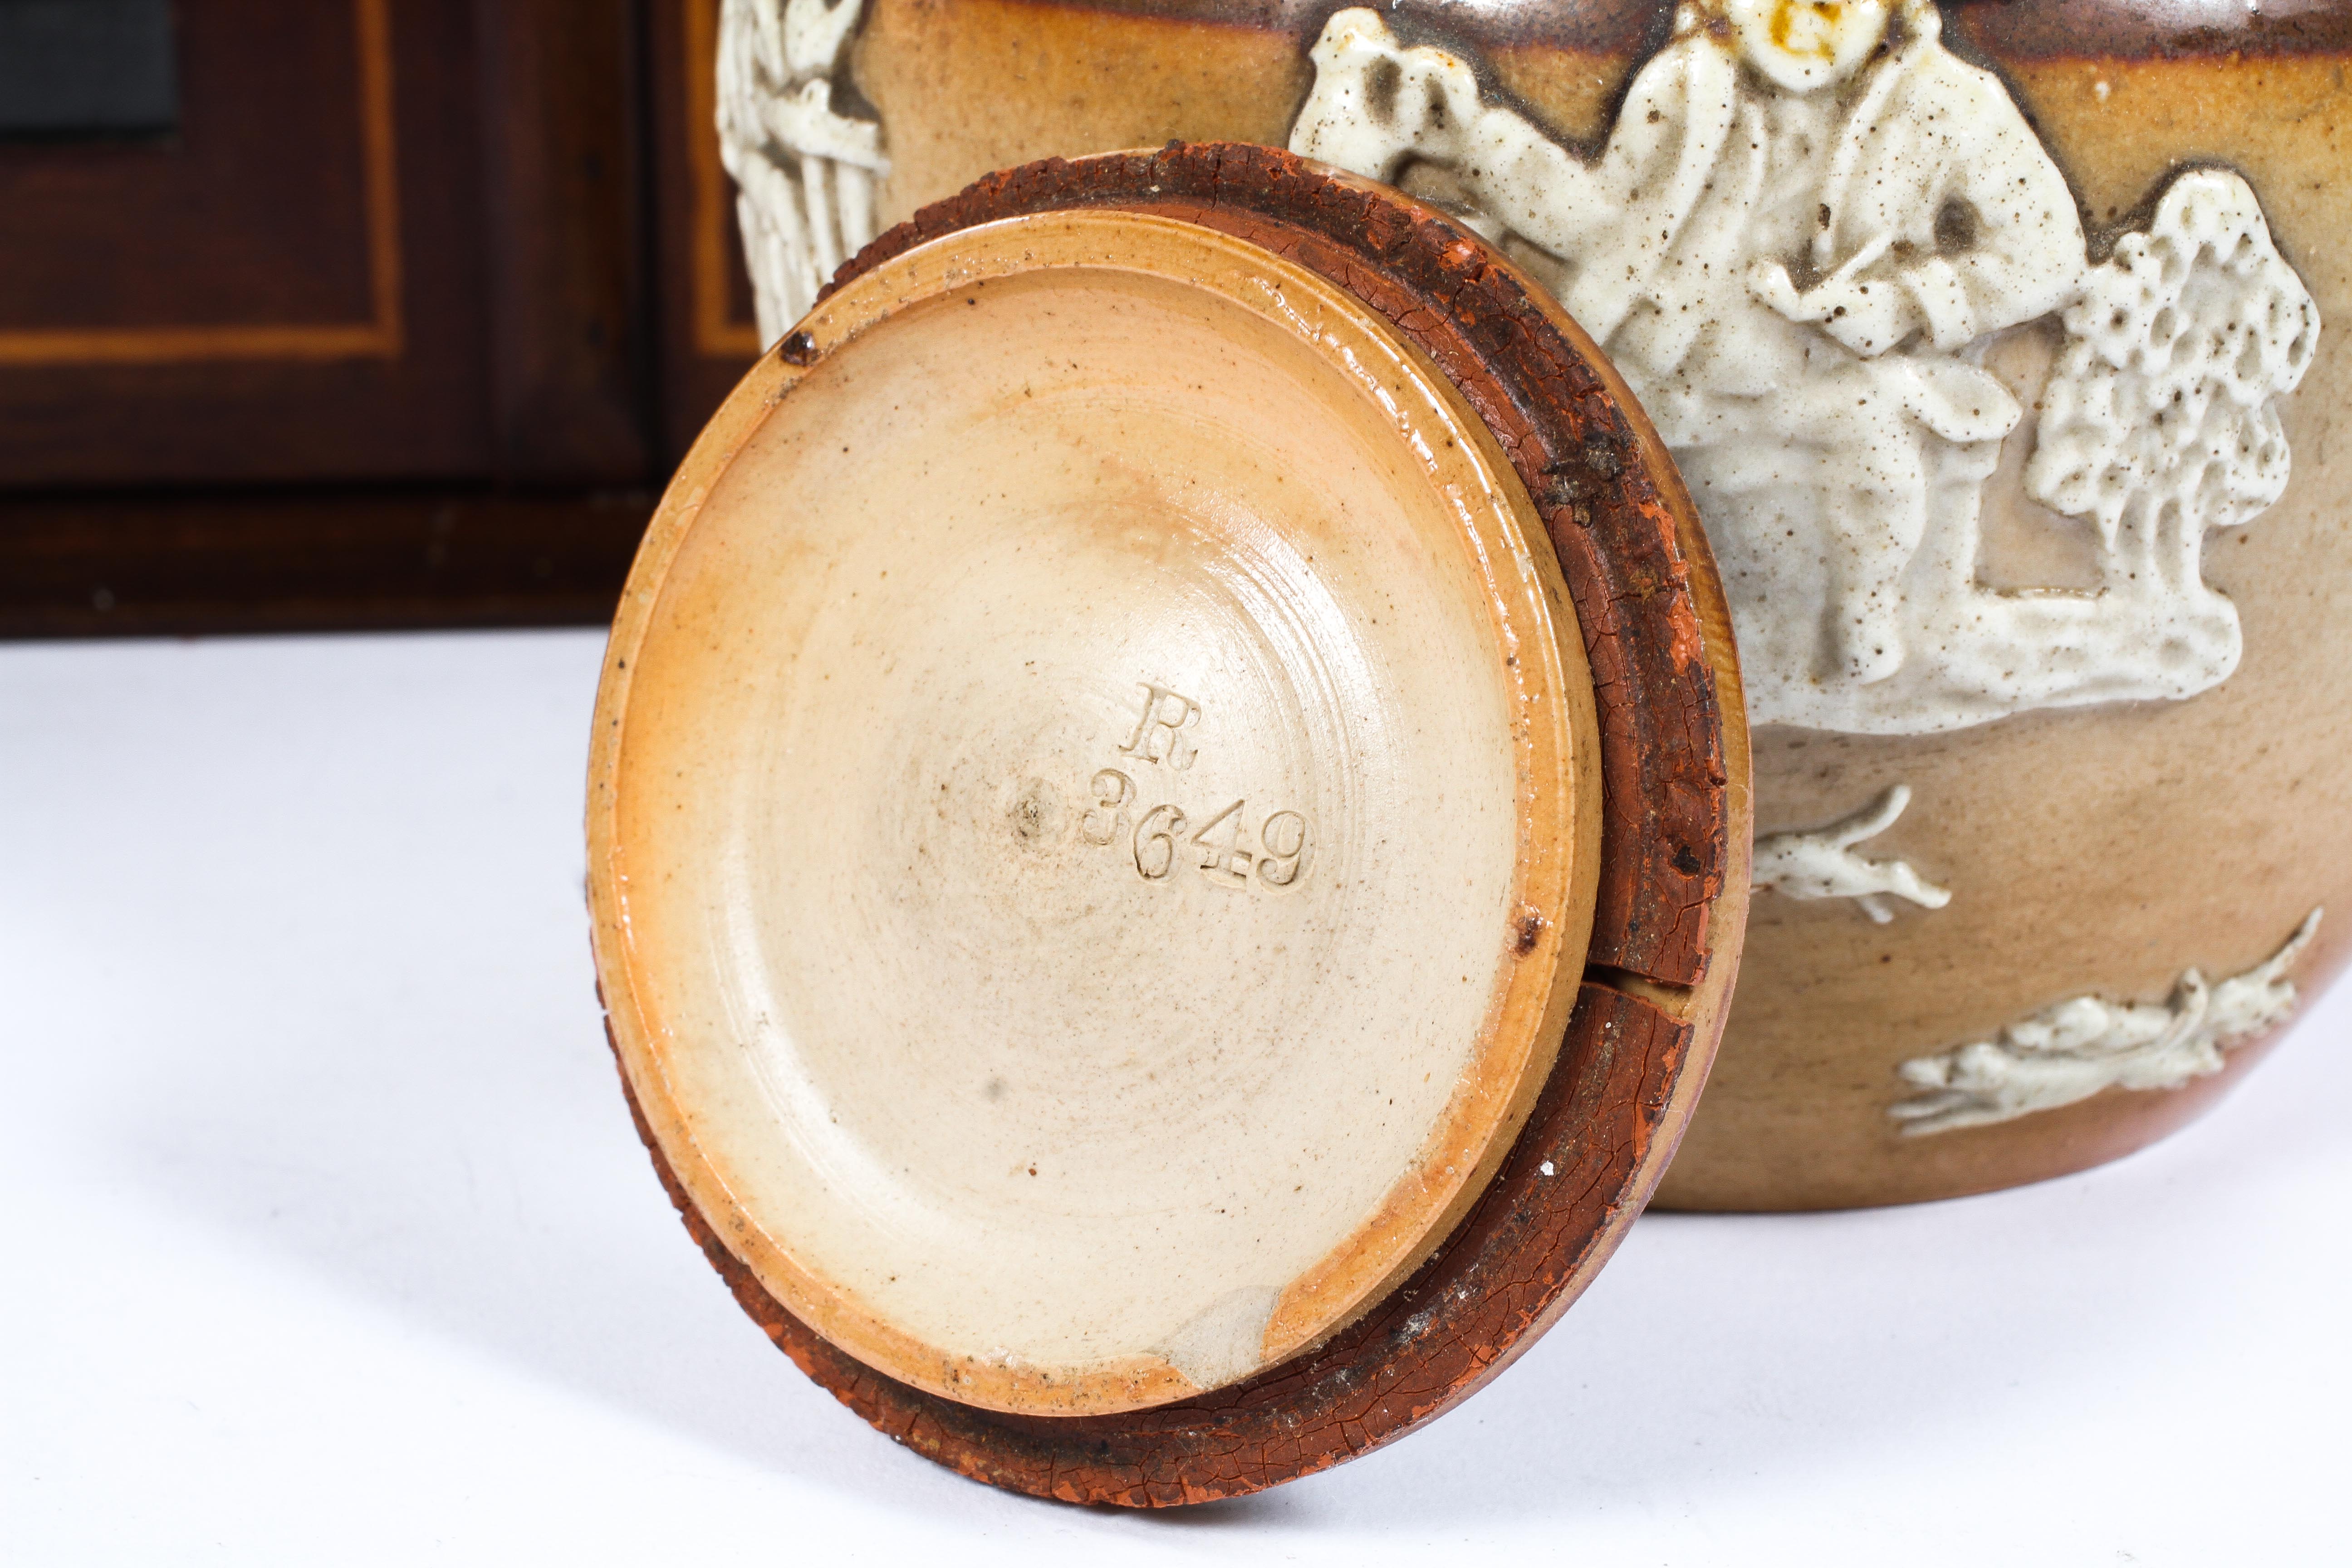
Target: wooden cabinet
(705,330)
(369,311)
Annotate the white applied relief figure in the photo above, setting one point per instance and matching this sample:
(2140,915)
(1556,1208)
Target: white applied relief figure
(2161,425)
(2086,1043)
(803,172)
(1806,227)
(1822,864)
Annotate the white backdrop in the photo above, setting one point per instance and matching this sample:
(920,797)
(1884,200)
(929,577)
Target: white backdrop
(324,1236)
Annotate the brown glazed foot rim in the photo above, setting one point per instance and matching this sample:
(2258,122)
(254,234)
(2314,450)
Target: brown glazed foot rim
(1672,868)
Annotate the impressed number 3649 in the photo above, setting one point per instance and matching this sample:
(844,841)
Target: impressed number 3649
(1221,847)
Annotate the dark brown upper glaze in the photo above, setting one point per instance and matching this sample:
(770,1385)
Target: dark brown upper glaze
(2146,29)
(1597,26)
(1600,1132)
(1997,29)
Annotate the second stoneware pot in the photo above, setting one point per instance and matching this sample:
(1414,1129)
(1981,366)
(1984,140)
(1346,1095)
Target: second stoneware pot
(1991,341)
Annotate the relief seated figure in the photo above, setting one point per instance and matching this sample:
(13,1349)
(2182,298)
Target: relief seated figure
(1804,229)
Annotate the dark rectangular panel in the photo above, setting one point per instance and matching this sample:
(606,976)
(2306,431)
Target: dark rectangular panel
(84,68)
(388,239)
(290,287)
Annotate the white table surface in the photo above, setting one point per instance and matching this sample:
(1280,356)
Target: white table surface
(327,1239)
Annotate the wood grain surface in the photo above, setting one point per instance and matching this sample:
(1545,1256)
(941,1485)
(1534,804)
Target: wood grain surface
(380,558)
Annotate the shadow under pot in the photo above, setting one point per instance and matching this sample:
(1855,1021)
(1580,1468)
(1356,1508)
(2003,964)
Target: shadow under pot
(1168,824)
(1999,348)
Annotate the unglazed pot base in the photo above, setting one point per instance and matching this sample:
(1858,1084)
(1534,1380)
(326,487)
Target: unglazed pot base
(1657,778)
(1102,830)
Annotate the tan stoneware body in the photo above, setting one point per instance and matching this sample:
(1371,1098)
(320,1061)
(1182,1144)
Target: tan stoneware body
(2099,892)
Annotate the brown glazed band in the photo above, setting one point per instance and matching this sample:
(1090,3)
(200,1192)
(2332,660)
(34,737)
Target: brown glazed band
(1637,1043)
(1996,31)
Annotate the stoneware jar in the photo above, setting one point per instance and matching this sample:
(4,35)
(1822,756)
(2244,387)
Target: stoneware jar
(2000,348)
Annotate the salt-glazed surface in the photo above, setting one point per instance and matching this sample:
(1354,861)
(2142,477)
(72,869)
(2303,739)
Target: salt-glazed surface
(1822,864)
(1803,288)
(1852,288)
